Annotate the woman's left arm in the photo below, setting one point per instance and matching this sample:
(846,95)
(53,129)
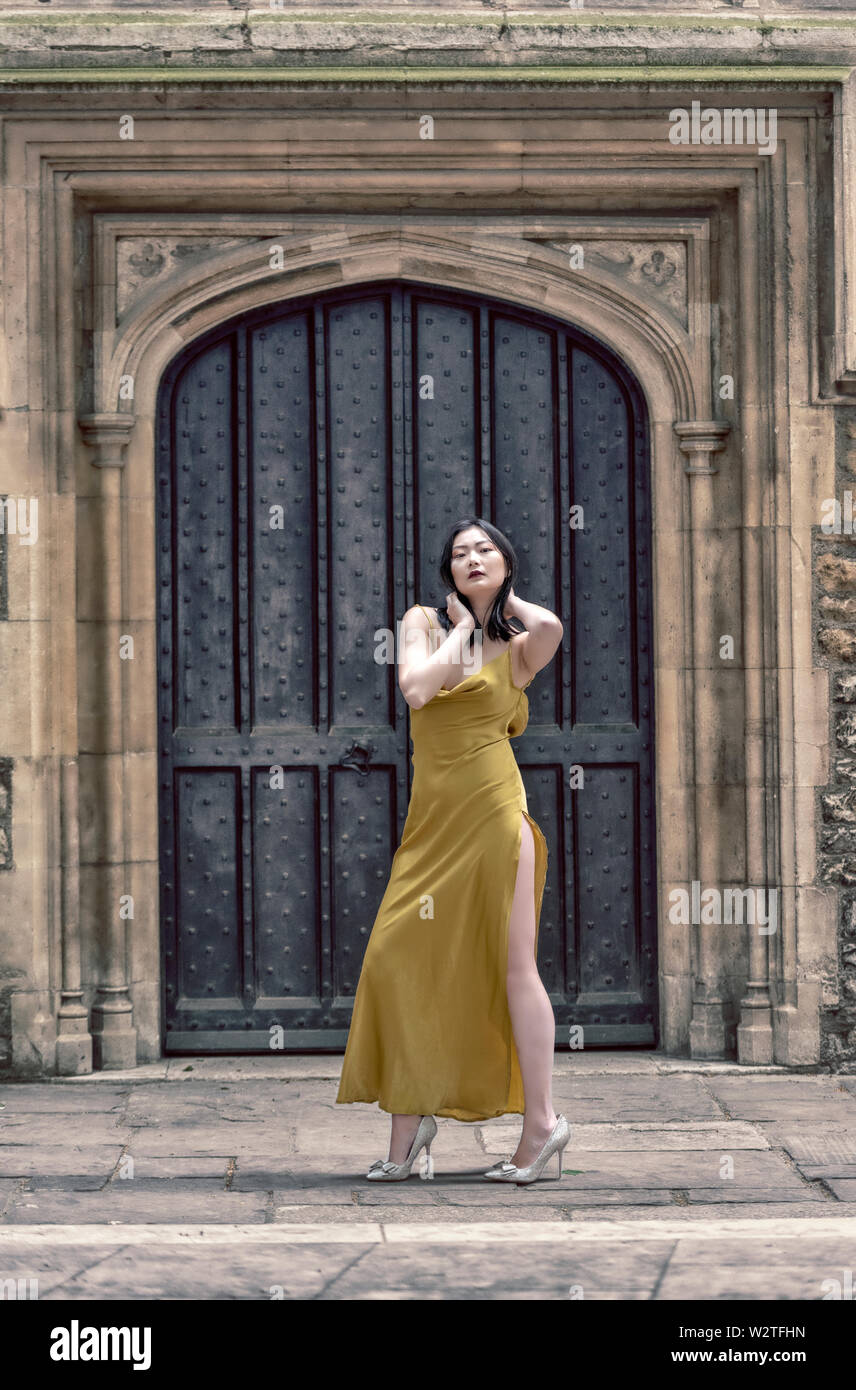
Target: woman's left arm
(543,635)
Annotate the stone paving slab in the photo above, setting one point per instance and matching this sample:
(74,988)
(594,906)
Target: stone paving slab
(532,1271)
(843,1188)
(814,1171)
(131,1271)
(607,1097)
(814,1148)
(65,1182)
(154,1106)
(765,1270)
(180,1166)
(586,1206)
(249,1139)
(211,1204)
(603,1260)
(324,1214)
(811,1098)
(770,1196)
(590,1206)
(674,1169)
(52,1269)
(42,1097)
(59,1159)
(713,1134)
(258,1172)
(784,1086)
(510,1196)
(44,1132)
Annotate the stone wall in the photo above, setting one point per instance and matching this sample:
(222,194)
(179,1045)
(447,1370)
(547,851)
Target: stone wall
(835,627)
(419,37)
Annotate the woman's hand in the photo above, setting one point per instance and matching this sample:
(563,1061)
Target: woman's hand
(459,616)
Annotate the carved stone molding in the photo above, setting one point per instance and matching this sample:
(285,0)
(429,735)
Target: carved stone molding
(656,270)
(107,434)
(223,274)
(143,260)
(700,440)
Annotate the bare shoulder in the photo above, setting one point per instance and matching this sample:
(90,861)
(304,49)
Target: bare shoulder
(427,613)
(417,616)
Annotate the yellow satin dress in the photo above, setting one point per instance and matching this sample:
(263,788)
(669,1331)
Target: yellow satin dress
(430,1031)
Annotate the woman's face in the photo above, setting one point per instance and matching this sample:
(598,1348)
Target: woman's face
(478,568)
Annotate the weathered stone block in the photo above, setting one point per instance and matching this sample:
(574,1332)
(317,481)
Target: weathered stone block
(840,610)
(838,643)
(838,842)
(836,574)
(839,806)
(841,871)
(845,689)
(845,730)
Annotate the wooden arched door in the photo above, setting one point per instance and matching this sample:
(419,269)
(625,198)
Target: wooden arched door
(310,459)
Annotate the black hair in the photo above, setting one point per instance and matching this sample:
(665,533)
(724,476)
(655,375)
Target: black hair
(497,627)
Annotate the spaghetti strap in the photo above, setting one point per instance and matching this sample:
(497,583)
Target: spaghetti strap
(431,622)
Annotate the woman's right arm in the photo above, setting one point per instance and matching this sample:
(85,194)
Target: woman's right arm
(421,675)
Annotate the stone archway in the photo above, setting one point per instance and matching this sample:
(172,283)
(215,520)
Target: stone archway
(694,719)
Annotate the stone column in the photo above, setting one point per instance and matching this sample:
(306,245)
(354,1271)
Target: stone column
(113,1034)
(699,440)
(74,1041)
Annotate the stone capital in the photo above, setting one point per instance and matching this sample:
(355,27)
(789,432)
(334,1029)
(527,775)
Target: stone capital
(699,440)
(108,435)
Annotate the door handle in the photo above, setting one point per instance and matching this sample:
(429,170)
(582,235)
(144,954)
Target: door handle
(358,756)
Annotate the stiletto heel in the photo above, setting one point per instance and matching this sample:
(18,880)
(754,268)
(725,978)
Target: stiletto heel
(383,1170)
(556,1144)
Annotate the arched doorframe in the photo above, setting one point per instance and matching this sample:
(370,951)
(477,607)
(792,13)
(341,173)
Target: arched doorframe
(675,379)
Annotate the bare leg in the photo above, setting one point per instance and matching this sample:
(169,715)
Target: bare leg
(403,1131)
(531,1012)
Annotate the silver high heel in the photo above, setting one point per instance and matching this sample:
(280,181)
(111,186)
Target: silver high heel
(556,1144)
(382,1170)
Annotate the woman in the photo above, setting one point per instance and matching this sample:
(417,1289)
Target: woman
(449,972)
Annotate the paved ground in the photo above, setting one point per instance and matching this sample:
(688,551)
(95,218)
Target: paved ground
(240,1178)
